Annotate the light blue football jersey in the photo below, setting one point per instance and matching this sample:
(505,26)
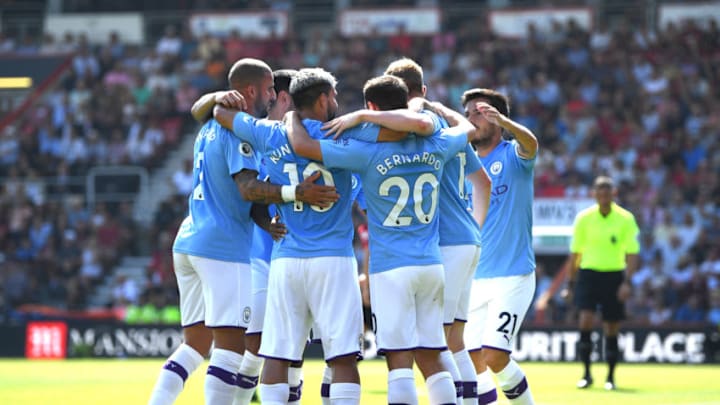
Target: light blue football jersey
(457,225)
(507,232)
(357,192)
(312,231)
(401,185)
(262,242)
(219,225)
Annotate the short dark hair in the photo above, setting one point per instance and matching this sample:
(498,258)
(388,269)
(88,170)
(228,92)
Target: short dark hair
(492,97)
(308,84)
(246,72)
(411,73)
(283,77)
(388,92)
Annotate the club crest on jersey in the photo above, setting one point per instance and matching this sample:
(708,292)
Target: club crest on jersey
(245,149)
(496,167)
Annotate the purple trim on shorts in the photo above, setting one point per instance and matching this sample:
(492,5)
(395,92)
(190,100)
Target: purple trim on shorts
(356,353)
(227,327)
(295,393)
(460,320)
(193,324)
(517,390)
(277,358)
(325,390)
(487,397)
(247,382)
(224,375)
(382,351)
(469,389)
(176,368)
(252,333)
(497,348)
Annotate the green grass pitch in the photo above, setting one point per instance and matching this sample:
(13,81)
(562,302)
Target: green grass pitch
(130,381)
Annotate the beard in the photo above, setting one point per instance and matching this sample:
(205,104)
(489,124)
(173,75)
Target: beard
(331,113)
(482,139)
(261,109)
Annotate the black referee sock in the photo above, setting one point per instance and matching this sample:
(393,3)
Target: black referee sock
(584,350)
(611,355)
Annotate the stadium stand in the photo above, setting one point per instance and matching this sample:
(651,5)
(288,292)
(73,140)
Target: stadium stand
(628,101)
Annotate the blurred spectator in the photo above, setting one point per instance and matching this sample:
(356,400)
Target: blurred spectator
(183,178)
(170,44)
(126,291)
(690,311)
(660,313)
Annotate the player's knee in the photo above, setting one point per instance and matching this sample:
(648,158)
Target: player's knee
(455,344)
(199,338)
(478,361)
(495,359)
(252,343)
(343,361)
(401,359)
(230,339)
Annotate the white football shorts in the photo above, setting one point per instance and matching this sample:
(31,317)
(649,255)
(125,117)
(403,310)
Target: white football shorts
(407,305)
(459,262)
(304,291)
(213,291)
(260,269)
(498,307)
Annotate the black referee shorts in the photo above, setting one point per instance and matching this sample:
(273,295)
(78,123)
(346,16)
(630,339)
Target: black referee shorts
(599,289)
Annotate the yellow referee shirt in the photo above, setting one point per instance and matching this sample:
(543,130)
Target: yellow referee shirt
(603,241)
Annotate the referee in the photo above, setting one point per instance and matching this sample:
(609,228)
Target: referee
(605,249)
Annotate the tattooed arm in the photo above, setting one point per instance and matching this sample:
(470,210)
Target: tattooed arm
(262,192)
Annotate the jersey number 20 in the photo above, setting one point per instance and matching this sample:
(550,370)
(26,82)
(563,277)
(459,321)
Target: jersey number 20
(394,218)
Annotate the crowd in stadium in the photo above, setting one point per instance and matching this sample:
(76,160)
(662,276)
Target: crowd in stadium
(632,103)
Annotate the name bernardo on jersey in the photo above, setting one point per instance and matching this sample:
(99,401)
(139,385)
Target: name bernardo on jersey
(397,160)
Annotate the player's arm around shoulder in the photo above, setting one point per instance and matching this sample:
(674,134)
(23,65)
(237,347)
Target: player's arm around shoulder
(394,124)
(246,127)
(300,140)
(201,110)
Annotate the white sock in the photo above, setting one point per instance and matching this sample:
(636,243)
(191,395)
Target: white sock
(401,387)
(487,394)
(467,375)
(448,362)
(514,384)
(172,377)
(274,394)
(441,388)
(295,382)
(221,377)
(325,387)
(345,393)
(248,378)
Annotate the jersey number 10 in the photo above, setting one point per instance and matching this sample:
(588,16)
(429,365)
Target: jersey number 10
(292,171)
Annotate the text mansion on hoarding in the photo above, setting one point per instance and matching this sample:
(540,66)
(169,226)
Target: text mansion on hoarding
(57,339)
